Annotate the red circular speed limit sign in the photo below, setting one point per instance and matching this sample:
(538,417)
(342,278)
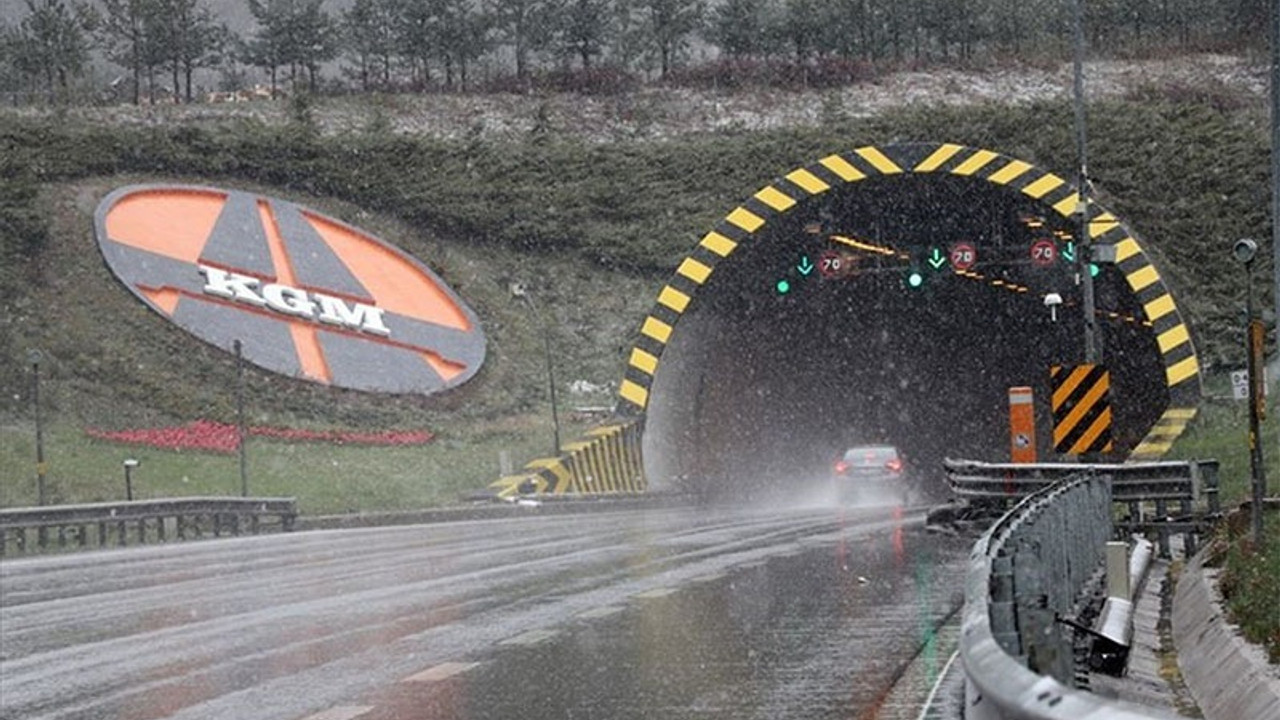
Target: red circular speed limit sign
(963,256)
(1044,253)
(830,264)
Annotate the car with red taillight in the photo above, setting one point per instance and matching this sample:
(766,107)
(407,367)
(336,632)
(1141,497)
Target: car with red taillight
(867,474)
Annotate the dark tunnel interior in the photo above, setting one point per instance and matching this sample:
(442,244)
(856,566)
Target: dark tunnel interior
(775,369)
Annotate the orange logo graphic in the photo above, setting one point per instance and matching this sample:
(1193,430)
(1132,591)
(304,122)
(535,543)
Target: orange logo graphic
(307,295)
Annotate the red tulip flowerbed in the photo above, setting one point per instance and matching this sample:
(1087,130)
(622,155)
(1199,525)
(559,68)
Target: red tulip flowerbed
(209,436)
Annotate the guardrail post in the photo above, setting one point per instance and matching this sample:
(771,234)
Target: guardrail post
(121,534)
(1162,512)
(1209,474)
(1003,612)
(1189,537)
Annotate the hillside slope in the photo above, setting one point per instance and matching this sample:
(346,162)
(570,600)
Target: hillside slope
(592,228)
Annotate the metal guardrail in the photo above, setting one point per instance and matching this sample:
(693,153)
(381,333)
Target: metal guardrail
(1140,482)
(1166,498)
(123,523)
(1023,572)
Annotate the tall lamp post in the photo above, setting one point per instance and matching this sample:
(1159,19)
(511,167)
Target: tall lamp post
(1092,339)
(520,292)
(34,357)
(240,433)
(1244,252)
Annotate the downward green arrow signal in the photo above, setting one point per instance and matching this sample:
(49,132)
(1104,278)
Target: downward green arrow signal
(805,267)
(1069,252)
(937,259)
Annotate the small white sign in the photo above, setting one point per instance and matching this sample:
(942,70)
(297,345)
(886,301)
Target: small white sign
(1240,384)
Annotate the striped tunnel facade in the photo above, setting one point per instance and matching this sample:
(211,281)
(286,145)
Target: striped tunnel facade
(743,224)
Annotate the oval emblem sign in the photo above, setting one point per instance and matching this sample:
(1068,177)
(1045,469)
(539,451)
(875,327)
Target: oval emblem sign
(307,295)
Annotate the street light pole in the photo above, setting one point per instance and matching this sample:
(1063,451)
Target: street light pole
(519,291)
(244,463)
(551,382)
(35,356)
(1275,153)
(1084,254)
(1244,251)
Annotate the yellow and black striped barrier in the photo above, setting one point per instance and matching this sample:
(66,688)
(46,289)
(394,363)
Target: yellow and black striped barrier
(1081,408)
(606,461)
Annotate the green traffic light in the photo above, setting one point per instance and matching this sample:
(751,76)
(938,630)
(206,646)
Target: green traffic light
(783,287)
(915,279)
(1094,270)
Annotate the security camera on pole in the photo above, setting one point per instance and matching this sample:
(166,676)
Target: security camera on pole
(1244,252)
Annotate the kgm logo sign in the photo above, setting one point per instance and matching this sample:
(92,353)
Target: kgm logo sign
(307,295)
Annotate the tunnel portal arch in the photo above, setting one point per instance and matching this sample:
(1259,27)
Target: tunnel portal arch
(1151,311)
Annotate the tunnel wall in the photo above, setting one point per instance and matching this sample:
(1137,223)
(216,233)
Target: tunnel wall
(662,326)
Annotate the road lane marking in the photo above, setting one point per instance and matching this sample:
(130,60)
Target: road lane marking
(712,577)
(600,612)
(933,693)
(655,593)
(341,712)
(441,672)
(533,637)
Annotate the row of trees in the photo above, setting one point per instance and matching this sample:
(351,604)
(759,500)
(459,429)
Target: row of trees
(51,46)
(393,44)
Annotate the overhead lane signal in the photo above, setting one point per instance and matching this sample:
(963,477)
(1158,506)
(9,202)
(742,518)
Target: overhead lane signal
(936,259)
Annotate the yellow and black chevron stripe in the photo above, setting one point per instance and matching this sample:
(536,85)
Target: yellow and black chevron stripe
(1161,436)
(1081,404)
(605,462)
(785,193)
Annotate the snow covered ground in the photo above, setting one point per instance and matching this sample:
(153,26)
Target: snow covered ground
(661,112)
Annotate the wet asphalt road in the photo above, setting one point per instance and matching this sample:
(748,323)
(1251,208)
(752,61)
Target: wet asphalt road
(636,614)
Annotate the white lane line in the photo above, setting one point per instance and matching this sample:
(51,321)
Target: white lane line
(600,612)
(341,712)
(655,593)
(928,702)
(533,637)
(441,672)
(710,578)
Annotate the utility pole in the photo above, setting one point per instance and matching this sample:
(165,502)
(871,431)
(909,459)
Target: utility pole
(1084,256)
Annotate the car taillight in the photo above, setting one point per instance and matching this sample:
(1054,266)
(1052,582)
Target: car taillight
(841,467)
(894,465)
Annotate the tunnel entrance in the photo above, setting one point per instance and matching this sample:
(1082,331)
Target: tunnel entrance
(898,309)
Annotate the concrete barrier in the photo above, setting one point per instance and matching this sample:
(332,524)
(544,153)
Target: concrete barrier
(1229,678)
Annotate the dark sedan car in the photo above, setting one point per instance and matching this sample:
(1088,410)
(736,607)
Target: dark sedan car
(870,474)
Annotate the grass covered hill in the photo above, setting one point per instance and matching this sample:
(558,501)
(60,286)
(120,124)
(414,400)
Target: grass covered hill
(592,228)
